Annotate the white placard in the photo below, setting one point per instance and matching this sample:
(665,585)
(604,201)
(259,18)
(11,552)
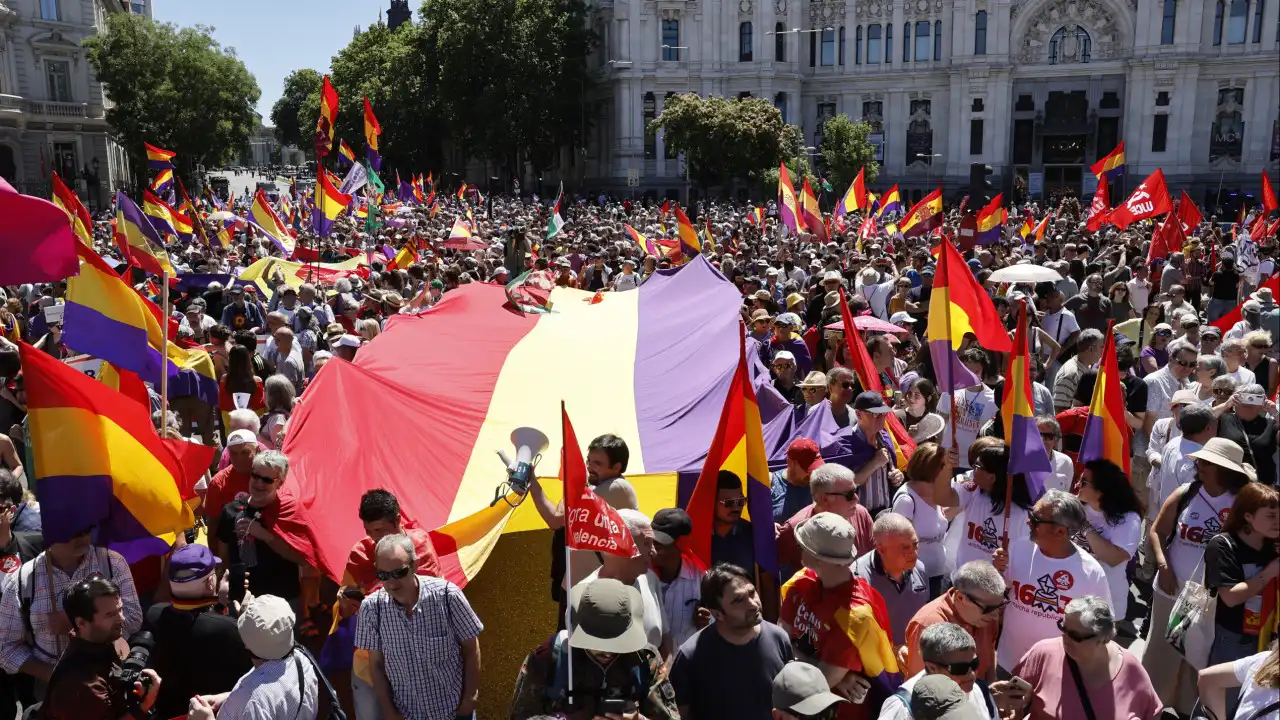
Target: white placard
(53,314)
(86,364)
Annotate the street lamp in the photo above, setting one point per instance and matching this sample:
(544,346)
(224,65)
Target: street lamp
(677,48)
(928,159)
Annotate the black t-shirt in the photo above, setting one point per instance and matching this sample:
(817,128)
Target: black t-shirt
(1228,561)
(1135,394)
(270,574)
(1257,437)
(197,652)
(1092,312)
(718,679)
(1223,285)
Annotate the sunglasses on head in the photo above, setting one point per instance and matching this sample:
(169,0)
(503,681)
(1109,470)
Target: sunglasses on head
(397,574)
(986,609)
(1062,626)
(733,503)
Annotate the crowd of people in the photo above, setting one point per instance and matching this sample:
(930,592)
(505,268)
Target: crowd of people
(896,598)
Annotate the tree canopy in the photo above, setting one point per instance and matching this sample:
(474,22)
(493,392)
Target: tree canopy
(291,126)
(174,88)
(846,149)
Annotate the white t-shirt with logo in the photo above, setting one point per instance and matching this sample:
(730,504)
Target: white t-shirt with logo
(1126,535)
(973,409)
(1203,518)
(1039,589)
(980,533)
(1252,698)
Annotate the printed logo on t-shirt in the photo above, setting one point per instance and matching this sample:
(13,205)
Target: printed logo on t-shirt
(9,564)
(240,496)
(971,485)
(984,535)
(1045,598)
(1063,580)
(809,628)
(1200,534)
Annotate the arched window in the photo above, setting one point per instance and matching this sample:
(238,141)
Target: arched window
(857,45)
(744,42)
(1070,47)
(780,102)
(980,33)
(922,41)
(1237,22)
(888,43)
(1168,21)
(779,43)
(937,40)
(1218,11)
(842,45)
(828,47)
(906,42)
(873,44)
(1257,20)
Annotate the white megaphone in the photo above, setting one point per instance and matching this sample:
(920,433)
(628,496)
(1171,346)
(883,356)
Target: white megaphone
(529,443)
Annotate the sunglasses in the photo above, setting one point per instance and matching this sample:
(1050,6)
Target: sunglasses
(1049,436)
(1221,391)
(849,496)
(847,385)
(959,669)
(733,503)
(397,574)
(1037,522)
(1062,626)
(986,609)
(263,478)
(1186,363)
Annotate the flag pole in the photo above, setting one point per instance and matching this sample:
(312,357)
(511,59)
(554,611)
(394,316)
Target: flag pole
(1008,479)
(568,564)
(164,352)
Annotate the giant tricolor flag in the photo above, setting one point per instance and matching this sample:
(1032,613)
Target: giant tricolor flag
(330,202)
(371,132)
(159,158)
(1017,410)
(924,216)
(81,221)
(1106,432)
(959,306)
(138,240)
(1149,200)
(1110,166)
(690,244)
(738,448)
(265,219)
(991,221)
(788,206)
(328,118)
(99,464)
(812,212)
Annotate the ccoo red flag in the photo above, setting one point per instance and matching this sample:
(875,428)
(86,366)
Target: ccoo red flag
(1268,195)
(1149,200)
(590,523)
(1167,238)
(1100,207)
(1188,214)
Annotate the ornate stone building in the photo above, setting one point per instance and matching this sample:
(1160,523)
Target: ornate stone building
(1038,89)
(52,108)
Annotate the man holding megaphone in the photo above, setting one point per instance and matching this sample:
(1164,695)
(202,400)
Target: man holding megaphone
(607,458)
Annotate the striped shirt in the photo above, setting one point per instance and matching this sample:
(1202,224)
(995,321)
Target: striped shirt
(680,599)
(422,653)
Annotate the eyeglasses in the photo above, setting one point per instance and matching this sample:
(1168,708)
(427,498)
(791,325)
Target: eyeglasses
(1221,391)
(850,496)
(1062,626)
(986,609)
(812,389)
(1037,522)
(397,574)
(732,503)
(1049,435)
(960,669)
(263,478)
(1185,363)
(847,385)
(784,366)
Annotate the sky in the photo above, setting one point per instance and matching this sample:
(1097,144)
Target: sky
(275,37)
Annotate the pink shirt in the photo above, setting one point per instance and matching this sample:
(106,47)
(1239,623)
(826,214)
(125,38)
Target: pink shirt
(1130,695)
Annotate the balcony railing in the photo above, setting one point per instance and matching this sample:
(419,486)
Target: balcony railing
(49,108)
(11,103)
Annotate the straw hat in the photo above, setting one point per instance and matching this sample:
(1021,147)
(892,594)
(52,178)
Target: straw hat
(1226,454)
(813,379)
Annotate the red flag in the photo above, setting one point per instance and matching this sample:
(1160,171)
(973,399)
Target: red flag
(1188,213)
(860,362)
(590,523)
(1258,229)
(1100,207)
(1151,199)
(1268,195)
(1228,321)
(1166,239)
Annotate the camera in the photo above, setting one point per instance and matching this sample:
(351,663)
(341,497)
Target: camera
(128,673)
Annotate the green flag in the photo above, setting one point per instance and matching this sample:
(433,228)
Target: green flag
(375,181)
(554,224)
(373,221)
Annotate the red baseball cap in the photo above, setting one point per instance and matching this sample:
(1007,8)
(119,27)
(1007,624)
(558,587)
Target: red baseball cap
(805,453)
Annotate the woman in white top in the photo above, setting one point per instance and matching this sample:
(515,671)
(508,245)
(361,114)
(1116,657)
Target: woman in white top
(1192,514)
(1208,368)
(914,501)
(981,496)
(1114,528)
(1257,676)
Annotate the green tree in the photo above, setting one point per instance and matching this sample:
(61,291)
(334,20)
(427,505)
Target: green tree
(291,127)
(846,149)
(175,88)
(797,161)
(704,130)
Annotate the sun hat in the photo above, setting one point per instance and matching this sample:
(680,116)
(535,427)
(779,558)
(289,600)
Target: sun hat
(938,697)
(607,617)
(832,299)
(813,379)
(760,315)
(832,276)
(266,627)
(929,427)
(801,688)
(794,299)
(828,537)
(1225,454)
(1163,329)
(788,318)
(1184,397)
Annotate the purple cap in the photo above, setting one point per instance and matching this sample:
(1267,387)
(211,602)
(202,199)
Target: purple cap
(191,562)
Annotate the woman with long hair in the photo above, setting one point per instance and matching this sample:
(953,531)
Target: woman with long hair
(980,493)
(1239,562)
(919,398)
(240,388)
(1191,515)
(1257,676)
(1114,529)
(1264,369)
(914,501)
(1121,307)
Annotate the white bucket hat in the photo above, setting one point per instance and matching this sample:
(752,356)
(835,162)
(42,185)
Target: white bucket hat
(828,537)
(1226,454)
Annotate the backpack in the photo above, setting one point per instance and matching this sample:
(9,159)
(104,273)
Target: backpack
(27,589)
(557,681)
(1193,488)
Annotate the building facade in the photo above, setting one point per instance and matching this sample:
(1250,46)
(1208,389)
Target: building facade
(1038,89)
(52,108)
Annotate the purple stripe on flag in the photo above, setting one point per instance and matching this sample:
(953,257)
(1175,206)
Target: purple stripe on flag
(1026,449)
(760,503)
(92,333)
(71,504)
(951,373)
(788,218)
(1092,443)
(992,236)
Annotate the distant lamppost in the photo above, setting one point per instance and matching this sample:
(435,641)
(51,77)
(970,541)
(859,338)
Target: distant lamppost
(92,183)
(928,172)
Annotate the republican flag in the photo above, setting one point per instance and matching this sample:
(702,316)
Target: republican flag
(924,216)
(159,159)
(708,238)
(138,240)
(197,222)
(81,221)
(860,361)
(1041,228)
(1100,206)
(163,184)
(1149,200)
(690,245)
(264,219)
(756,216)
(407,256)
(330,202)
(811,212)
(1112,165)
(890,202)
(346,154)
(737,448)
(328,118)
(855,198)
(645,244)
(36,239)
(788,208)
(1106,432)
(590,522)
(164,218)
(1017,410)
(959,306)
(371,132)
(991,221)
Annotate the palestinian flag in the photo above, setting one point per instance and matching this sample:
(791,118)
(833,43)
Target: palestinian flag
(554,225)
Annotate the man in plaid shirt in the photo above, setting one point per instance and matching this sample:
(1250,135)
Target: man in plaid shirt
(422,637)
